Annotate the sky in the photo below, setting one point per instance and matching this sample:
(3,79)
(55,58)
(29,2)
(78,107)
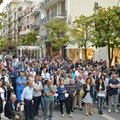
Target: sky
(4,4)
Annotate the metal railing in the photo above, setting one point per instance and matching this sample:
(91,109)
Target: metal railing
(35,25)
(53,14)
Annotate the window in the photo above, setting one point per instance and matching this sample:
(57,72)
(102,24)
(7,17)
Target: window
(96,5)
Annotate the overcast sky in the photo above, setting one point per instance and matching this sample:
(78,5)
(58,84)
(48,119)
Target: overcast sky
(4,4)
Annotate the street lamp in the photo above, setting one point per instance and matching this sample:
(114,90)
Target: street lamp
(40,45)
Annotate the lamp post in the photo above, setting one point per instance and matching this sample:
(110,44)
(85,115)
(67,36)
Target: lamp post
(40,45)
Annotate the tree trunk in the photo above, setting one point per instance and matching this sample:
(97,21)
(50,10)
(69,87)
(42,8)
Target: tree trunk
(110,54)
(85,50)
(78,53)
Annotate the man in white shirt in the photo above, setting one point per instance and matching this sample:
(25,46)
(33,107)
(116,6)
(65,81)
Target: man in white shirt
(26,98)
(78,71)
(45,75)
(37,87)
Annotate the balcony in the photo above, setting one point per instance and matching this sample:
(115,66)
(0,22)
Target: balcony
(35,25)
(47,3)
(20,14)
(20,24)
(35,11)
(58,15)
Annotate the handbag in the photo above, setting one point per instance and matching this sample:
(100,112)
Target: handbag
(66,95)
(82,92)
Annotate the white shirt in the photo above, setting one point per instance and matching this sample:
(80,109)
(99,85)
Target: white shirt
(77,73)
(82,81)
(35,85)
(2,93)
(46,75)
(27,93)
(33,73)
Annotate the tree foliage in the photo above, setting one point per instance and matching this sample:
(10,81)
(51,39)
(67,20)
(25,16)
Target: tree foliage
(82,32)
(107,29)
(28,39)
(58,33)
(1,1)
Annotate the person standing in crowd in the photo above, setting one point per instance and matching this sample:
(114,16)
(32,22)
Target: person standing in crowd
(78,99)
(4,78)
(13,75)
(55,79)
(11,109)
(71,88)
(49,91)
(37,87)
(113,92)
(87,98)
(63,97)
(96,78)
(45,74)
(21,82)
(1,98)
(101,93)
(26,98)
(33,72)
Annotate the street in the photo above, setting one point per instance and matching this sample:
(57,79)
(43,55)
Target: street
(79,115)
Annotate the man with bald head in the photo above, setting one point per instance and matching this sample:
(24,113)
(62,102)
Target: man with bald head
(49,91)
(11,109)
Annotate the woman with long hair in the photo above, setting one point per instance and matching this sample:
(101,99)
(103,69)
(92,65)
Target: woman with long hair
(87,98)
(100,87)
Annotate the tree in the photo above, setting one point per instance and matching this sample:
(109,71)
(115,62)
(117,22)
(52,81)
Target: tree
(107,29)
(82,32)
(58,33)
(1,1)
(29,39)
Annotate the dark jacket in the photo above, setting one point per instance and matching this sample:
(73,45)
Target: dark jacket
(8,111)
(86,91)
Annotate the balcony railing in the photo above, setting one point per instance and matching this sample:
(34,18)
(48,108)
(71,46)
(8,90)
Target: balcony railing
(45,2)
(36,11)
(54,14)
(48,3)
(35,25)
(20,14)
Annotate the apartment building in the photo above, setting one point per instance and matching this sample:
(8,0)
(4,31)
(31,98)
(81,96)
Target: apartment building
(9,23)
(25,19)
(67,10)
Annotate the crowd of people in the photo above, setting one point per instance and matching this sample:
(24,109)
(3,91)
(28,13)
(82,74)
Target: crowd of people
(39,84)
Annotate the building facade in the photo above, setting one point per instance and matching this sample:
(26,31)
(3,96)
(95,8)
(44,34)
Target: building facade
(67,10)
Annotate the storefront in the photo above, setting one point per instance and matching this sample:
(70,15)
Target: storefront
(74,53)
(31,51)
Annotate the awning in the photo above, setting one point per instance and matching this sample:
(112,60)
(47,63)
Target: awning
(28,47)
(72,46)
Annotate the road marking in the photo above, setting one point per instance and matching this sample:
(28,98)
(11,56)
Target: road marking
(105,115)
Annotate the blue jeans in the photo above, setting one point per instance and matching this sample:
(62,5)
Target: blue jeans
(100,102)
(42,104)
